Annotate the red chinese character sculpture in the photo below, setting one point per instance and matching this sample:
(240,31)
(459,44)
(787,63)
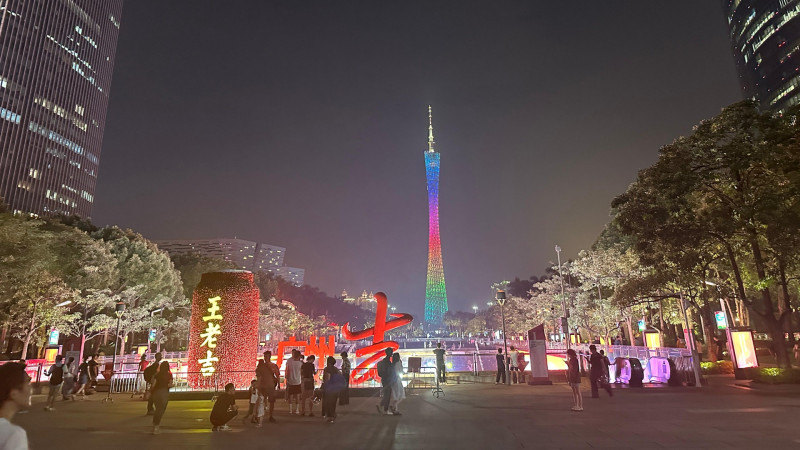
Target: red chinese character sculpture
(364,371)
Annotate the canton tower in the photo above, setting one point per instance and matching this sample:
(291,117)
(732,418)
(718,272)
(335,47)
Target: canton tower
(435,292)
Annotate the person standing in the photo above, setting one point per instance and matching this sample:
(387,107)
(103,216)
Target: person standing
(268,374)
(94,371)
(307,372)
(141,386)
(574,380)
(398,391)
(344,396)
(69,379)
(224,409)
(606,364)
(441,372)
(15,395)
(294,381)
(332,383)
(160,394)
(56,374)
(386,375)
(596,372)
(149,376)
(501,367)
(513,365)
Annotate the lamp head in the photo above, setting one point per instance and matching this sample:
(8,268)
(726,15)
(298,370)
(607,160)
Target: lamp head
(501,297)
(119,309)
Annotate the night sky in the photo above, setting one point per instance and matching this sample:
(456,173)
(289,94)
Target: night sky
(303,124)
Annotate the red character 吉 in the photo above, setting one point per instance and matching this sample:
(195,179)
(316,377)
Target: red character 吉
(363,371)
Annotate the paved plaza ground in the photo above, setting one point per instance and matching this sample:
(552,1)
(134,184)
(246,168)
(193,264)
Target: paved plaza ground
(469,416)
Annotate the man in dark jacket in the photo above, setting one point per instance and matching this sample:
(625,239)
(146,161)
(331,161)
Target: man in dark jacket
(597,371)
(501,367)
(149,373)
(386,374)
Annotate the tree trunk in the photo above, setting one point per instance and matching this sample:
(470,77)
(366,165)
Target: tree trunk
(25,343)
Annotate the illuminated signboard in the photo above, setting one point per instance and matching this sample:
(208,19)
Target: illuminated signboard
(319,348)
(209,337)
(151,336)
(642,325)
(652,339)
(722,321)
(365,370)
(744,349)
(52,337)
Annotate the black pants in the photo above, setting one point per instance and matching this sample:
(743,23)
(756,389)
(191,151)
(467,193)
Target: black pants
(219,421)
(386,392)
(594,382)
(501,372)
(329,401)
(441,373)
(160,399)
(344,396)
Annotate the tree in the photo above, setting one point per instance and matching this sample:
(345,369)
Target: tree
(728,194)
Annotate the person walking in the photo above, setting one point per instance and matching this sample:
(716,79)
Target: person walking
(69,379)
(606,364)
(596,372)
(441,372)
(56,374)
(307,372)
(513,365)
(293,381)
(332,383)
(344,396)
(149,374)
(15,395)
(386,375)
(160,393)
(268,374)
(501,367)
(398,391)
(574,380)
(94,371)
(83,377)
(224,410)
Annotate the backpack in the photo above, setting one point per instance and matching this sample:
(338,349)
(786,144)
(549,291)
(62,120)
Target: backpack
(150,372)
(382,368)
(56,375)
(335,383)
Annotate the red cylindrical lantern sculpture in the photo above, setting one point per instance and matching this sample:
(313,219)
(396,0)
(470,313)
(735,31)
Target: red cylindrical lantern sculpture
(223,336)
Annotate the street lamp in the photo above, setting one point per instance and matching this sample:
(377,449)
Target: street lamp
(501,300)
(158,341)
(475,308)
(564,323)
(119,310)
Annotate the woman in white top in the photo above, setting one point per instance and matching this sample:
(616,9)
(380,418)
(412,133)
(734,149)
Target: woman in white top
(398,391)
(15,394)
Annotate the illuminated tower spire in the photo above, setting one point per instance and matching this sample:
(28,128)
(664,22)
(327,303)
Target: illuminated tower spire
(435,292)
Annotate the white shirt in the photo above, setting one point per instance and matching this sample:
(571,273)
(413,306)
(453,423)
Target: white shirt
(513,355)
(12,437)
(293,372)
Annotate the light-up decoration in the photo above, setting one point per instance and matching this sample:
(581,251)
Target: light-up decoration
(744,349)
(365,370)
(319,348)
(642,325)
(435,291)
(223,336)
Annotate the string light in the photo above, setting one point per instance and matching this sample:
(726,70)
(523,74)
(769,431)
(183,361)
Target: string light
(227,304)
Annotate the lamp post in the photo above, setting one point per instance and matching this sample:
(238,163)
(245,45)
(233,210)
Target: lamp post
(564,322)
(119,310)
(501,300)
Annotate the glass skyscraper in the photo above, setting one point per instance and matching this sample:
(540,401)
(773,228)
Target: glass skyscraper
(56,62)
(765,38)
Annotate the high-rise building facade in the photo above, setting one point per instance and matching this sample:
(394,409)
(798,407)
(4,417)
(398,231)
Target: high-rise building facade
(247,255)
(765,38)
(435,292)
(56,62)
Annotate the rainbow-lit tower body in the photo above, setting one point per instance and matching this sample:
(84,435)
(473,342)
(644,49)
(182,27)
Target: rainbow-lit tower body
(435,292)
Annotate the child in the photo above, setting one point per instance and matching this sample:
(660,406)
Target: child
(253,391)
(259,409)
(574,380)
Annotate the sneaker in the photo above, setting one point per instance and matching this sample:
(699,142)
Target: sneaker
(389,413)
(258,425)
(156,430)
(215,428)
(396,413)
(574,408)
(224,428)
(272,420)
(579,409)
